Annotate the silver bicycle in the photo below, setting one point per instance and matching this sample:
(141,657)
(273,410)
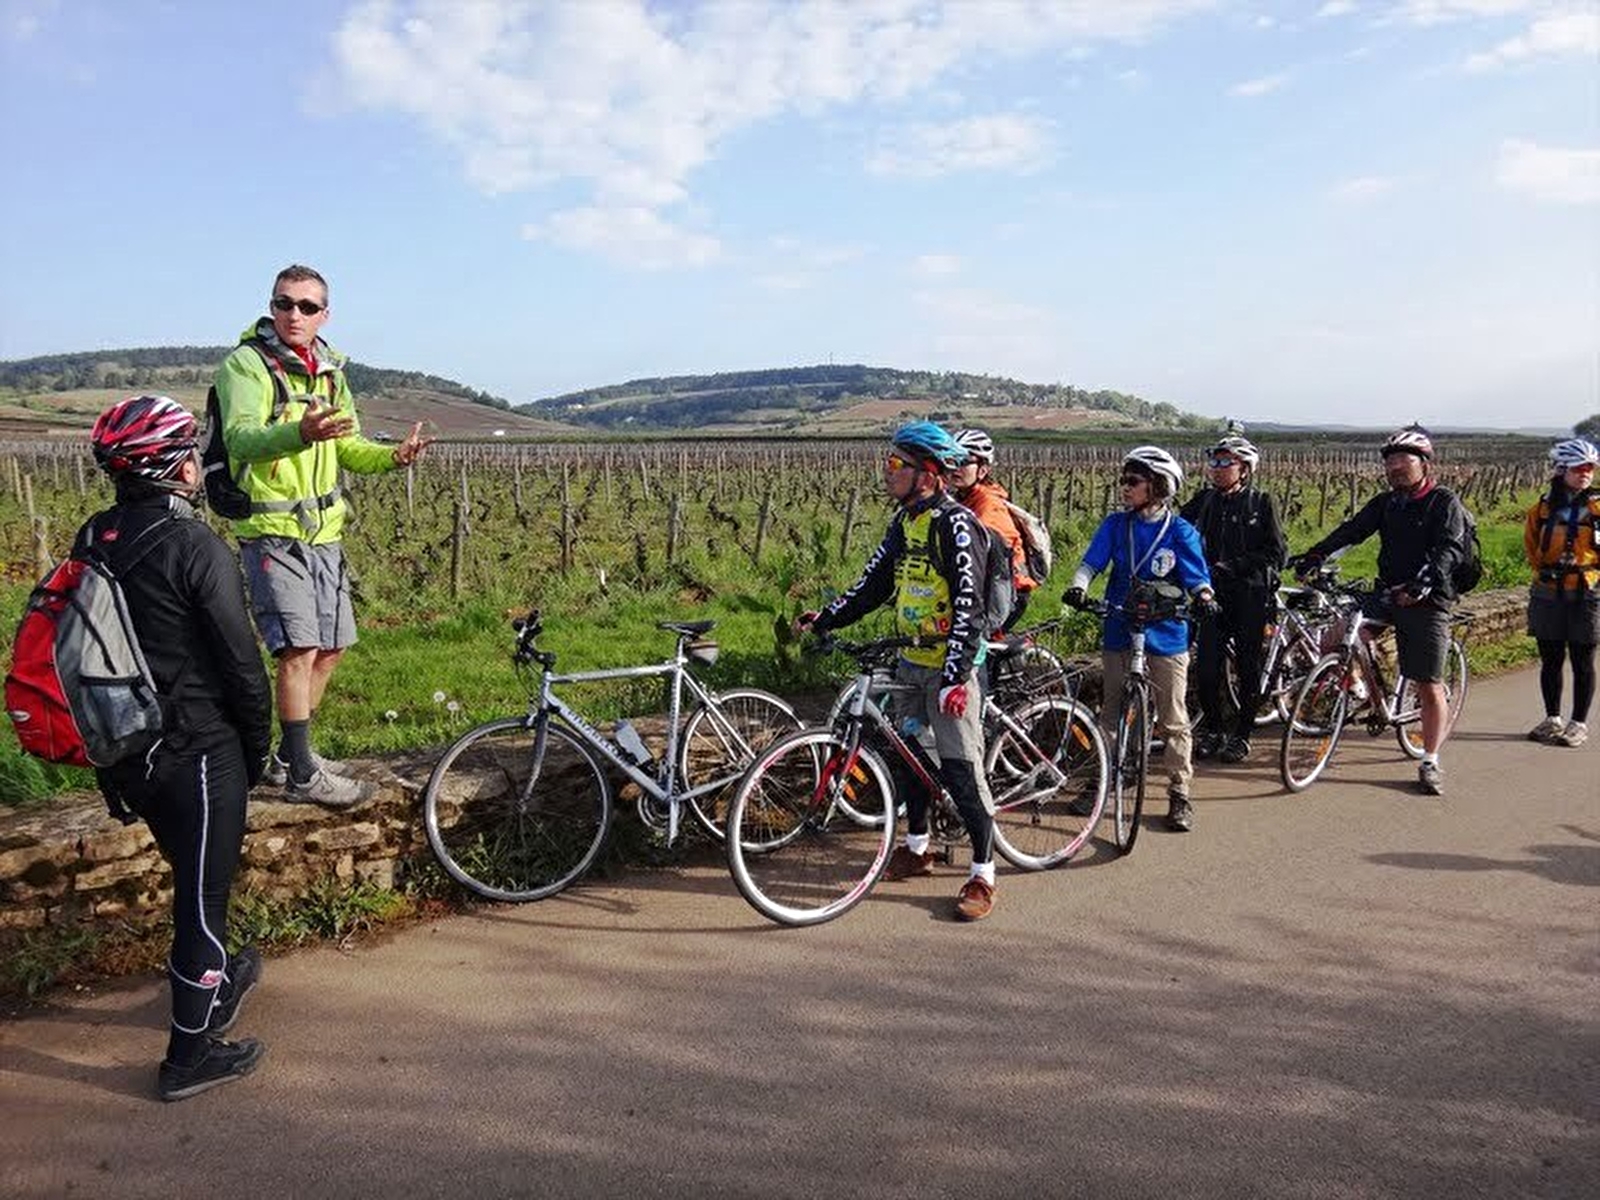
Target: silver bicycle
(518,808)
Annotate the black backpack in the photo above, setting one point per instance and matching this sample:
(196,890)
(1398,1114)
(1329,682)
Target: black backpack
(223,493)
(1468,571)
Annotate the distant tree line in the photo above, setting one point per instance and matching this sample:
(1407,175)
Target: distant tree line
(685,400)
(194,366)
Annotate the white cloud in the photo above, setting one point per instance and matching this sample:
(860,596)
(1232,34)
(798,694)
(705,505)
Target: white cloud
(1259,87)
(1003,142)
(930,266)
(790,264)
(633,236)
(978,330)
(630,99)
(1553,174)
(1336,8)
(1364,188)
(1551,35)
(1437,12)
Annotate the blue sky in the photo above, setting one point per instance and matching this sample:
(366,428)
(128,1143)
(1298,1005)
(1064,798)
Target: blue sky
(1358,212)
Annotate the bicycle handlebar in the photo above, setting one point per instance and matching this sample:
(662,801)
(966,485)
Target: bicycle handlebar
(826,643)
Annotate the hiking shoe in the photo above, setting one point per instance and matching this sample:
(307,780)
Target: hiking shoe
(1207,745)
(1235,750)
(277,772)
(244,972)
(1547,730)
(975,901)
(328,790)
(1575,734)
(1430,778)
(1180,813)
(903,864)
(222,1062)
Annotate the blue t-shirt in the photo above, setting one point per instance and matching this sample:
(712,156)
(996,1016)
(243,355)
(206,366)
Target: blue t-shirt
(1177,557)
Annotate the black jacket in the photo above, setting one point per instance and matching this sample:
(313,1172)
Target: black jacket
(1243,541)
(187,603)
(1421,539)
(959,552)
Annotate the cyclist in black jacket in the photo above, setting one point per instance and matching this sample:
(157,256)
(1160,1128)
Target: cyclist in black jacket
(1422,531)
(1245,549)
(186,600)
(932,566)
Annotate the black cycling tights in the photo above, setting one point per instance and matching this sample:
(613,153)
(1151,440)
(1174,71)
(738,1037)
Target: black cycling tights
(961,780)
(1551,658)
(194,804)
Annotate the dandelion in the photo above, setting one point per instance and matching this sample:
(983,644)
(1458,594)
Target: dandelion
(452,707)
(391,715)
(438,697)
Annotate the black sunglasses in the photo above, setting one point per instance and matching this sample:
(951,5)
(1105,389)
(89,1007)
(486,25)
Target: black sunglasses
(1133,480)
(309,308)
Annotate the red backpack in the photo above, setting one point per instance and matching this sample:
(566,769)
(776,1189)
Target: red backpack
(79,690)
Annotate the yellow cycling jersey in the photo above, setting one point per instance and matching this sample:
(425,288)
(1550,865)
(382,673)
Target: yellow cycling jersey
(922,596)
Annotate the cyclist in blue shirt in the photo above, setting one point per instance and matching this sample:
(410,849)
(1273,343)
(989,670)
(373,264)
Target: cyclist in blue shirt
(1150,543)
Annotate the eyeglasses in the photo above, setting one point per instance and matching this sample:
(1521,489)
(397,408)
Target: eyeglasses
(1133,480)
(308,308)
(895,463)
(1220,464)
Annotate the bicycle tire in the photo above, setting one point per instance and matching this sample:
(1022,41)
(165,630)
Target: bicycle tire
(1289,675)
(837,713)
(510,821)
(1315,724)
(722,738)
(1408,710)
(1131,767)
(1040,819)
(795,857)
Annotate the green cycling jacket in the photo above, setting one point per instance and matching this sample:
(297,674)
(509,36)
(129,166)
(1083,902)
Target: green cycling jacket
(293,487)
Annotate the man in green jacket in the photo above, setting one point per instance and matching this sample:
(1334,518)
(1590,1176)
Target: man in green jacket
(290,425)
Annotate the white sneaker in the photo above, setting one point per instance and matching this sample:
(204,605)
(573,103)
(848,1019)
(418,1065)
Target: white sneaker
(328,790)
(277,774)
(1546,730)
(1575,734)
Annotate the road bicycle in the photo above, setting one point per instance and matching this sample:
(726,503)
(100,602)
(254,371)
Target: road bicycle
(812,825)
(1131,734)
(518,808)
(1349,682)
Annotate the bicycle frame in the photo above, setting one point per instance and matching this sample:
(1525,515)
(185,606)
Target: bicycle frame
(663,790)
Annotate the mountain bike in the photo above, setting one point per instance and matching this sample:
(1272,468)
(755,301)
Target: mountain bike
(1349,683)
(518,808)
(812,825)
(1132,735)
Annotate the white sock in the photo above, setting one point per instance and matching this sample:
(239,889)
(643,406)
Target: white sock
(917,843)
(983,871)
(1431,758)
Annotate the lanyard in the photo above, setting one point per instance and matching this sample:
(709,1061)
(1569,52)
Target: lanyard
(1135,567)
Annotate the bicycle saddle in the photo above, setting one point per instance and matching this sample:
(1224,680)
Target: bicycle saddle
(687,628)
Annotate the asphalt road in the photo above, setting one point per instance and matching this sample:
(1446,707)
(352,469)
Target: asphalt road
(1355,992)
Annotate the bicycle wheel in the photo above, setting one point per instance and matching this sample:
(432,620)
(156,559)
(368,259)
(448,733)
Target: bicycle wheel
(1315,723)
(1408,709)
(1289,675)
(839,712)
(1046,812)
(720,741)
(514,815)
(1129,766)
(793,853)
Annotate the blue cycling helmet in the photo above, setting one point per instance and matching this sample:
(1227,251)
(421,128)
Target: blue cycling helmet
(925,440)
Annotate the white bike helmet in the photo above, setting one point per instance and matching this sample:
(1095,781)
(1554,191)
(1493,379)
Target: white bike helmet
(1574,452)
(1241,448)
(1413,439)
(1156,461)
(979,445)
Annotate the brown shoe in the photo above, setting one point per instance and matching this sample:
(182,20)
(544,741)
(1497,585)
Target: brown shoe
(975,900)
(903,864)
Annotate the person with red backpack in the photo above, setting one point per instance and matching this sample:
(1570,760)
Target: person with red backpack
(186,602)
(975,486)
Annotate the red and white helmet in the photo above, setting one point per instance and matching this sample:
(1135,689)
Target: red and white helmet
(149,437)
(1574,452)
(1413,439)
(1156,461)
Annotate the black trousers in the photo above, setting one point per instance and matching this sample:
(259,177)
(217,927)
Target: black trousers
(1243,617)
(194,803)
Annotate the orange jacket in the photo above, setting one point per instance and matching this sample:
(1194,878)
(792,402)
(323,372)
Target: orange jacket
(988,503)
(1546,545)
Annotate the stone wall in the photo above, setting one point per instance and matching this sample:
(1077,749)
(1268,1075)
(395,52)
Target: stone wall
(73,863)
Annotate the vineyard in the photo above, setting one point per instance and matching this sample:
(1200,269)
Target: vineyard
(608,538)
